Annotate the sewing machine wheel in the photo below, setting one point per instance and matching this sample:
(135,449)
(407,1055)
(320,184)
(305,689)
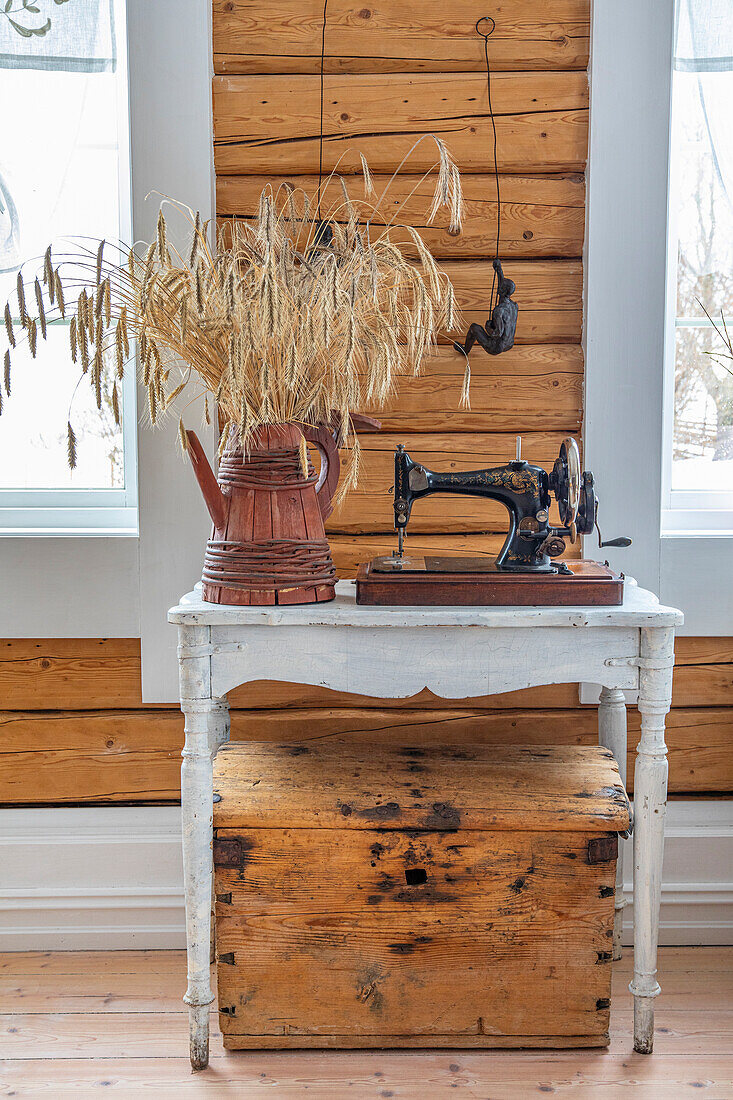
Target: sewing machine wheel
(588,505)
(565,481)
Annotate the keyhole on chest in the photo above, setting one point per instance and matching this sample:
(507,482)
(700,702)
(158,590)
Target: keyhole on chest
(415,876)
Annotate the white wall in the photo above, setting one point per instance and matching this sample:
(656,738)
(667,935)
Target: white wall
(172,152)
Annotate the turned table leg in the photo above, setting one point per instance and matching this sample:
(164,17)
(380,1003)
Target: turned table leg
(207,726)
(196,811)
(612,735)
(650,798)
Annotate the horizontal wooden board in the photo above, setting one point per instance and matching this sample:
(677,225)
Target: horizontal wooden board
(433,1042)
(270,124)
(485,787)
(70,673)
(272,865)
(90,756)
(703,675)
(542,285)
(284,36)
(540,215)
(549,294)
(703,651)
(368,509)
(262,695)
(126,756)
(539,385)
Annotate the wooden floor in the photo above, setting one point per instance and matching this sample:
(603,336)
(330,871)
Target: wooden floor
(85,1023)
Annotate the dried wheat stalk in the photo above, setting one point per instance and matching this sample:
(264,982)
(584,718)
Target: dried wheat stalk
(298,316)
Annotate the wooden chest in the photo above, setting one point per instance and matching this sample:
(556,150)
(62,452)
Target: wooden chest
(395,896)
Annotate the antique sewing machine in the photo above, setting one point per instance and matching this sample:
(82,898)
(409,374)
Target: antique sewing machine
(525,571)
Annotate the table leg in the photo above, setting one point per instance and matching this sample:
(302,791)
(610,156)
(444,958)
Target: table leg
(650,798)
(206,727)
(612,735)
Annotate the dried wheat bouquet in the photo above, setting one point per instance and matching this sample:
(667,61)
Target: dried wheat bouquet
(300,315)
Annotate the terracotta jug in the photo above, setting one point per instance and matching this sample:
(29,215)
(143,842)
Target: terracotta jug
(268,545)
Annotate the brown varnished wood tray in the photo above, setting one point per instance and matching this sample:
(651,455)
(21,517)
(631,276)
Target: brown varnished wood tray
(589,584)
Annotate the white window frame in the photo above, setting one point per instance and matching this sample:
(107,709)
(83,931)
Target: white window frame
(626,269)
(76,512)
(117,585)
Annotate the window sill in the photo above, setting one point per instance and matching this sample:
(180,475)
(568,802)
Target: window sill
(700,533)
(69,532)
(69,522)
(697,523)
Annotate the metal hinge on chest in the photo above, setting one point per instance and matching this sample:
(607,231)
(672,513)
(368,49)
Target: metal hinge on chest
(227,853)
(602,849)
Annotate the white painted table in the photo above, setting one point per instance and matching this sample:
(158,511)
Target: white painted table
(456,652)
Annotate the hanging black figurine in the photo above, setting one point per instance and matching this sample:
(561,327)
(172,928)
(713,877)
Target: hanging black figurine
(497,334)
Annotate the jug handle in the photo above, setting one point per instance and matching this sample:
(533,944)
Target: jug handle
(328,478)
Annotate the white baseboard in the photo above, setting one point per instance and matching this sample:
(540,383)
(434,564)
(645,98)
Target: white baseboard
(697,882)
(109,878)
(91,878)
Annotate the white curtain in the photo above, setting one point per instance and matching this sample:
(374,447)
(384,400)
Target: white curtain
(72,35)
(76,36)
(704,45)
(704,36)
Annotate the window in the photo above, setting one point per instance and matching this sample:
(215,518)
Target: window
(64,171)
(630,279)
(698,474)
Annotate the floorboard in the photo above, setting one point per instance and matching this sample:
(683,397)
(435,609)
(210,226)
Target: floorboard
(77,1023)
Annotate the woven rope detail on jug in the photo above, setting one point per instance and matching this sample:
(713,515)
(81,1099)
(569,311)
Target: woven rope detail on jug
(268,564)
(264,470)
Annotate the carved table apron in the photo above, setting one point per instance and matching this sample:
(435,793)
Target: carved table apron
(456,652)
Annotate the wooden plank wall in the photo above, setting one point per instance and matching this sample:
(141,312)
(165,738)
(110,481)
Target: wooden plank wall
(393,75)
(72,725)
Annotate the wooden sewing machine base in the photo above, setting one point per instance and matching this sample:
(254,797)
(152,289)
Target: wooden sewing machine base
(473,582)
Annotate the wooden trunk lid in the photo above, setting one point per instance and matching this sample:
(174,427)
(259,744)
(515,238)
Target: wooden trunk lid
(480,787)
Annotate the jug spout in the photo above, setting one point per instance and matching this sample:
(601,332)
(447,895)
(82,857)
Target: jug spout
(215,500)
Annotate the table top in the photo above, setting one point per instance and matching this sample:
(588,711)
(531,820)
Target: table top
(640,608)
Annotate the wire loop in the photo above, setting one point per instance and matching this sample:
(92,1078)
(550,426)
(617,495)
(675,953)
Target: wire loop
(486,19)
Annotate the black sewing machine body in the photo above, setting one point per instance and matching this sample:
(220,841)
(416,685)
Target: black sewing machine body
(521,488)
(526,492)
